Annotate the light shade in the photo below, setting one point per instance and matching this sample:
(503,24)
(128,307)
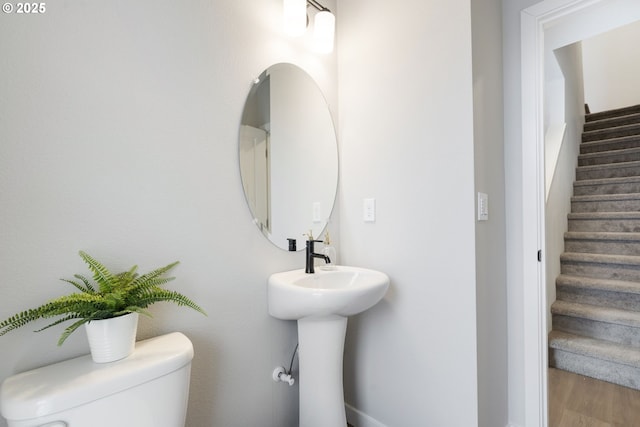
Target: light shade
(295,17)
(324,27)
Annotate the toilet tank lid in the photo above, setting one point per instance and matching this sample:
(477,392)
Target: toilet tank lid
(74,382)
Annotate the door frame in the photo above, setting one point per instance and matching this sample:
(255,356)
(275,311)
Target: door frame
(533,22)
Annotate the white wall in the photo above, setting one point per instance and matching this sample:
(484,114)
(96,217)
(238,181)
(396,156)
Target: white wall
(118,127)
(406,139)
(490,235)
(611,69)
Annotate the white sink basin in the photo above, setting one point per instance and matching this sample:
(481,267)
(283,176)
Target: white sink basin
(321,303)
(342,291)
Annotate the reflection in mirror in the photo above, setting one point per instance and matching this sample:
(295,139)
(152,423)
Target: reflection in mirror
(288,155)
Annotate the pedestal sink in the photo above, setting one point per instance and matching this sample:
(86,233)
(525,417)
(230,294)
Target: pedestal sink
(321,303)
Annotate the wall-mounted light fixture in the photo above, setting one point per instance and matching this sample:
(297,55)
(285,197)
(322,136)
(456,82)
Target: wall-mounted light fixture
(295,17)
(324,24)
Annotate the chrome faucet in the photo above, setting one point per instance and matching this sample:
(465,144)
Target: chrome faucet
(310,255)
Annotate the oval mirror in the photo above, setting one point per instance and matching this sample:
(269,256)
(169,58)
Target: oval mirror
(288,155)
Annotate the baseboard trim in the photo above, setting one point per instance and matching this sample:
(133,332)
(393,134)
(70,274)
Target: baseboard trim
(360,419)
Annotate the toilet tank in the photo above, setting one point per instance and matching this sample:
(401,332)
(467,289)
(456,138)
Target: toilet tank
(149,388)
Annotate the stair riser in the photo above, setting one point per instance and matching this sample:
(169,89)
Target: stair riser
(604,370)
(601,271)
(616,144)
(619,334)
(610,247)
(608,157)
(610,225)
(612,122)
(604,188)
(606,206)
(617,171)
(600,135)
(602,298)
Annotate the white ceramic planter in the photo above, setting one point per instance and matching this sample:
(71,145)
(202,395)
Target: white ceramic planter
(112,339)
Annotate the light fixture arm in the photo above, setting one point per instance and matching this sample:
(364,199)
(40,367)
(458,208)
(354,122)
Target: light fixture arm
(318,6)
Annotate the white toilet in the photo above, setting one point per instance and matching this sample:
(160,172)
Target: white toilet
(150,388)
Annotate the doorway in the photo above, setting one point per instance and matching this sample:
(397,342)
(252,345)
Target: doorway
(575,20)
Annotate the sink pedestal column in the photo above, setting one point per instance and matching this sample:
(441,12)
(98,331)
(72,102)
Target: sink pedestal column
(320,354)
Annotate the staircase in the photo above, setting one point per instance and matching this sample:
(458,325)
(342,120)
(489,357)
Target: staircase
(596,317)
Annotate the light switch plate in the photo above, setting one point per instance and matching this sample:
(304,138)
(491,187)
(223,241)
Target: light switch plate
(483,207)
(369,210)
(317,215)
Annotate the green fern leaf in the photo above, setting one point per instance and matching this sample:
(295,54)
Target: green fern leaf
(59,321)
(145,279)
(135,309)
(170,296)
(17,321)
(80,287)
(103,277)
(86,282)
(70,329)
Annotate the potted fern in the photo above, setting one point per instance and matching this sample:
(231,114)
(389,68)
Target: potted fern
(105,307)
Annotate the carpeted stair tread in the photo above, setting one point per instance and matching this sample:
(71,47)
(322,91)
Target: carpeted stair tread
(612,156)
(596,313)
(597,240)
(616,132)
(621,202)
(608,170)
(604,221)
(612,144)
(603,235)
(616,112)
(619,185)
(610,122)
(606,197)
(603,181)
(604,215)
(600,349)
(629,260)
(609,285)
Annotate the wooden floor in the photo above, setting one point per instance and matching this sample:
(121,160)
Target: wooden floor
(577,401)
